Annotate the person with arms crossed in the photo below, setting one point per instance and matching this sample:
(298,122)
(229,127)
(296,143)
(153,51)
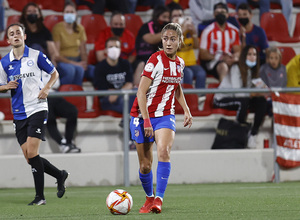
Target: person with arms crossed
(153,116)
(20,72)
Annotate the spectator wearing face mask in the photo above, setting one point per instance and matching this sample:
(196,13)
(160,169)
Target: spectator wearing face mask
(220,44)
(113,73)
(250,33)
(70,41)
(38,36)
(117,29)
(148,40)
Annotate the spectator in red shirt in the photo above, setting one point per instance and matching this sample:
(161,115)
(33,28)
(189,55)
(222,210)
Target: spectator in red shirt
(116,29)
(220,44)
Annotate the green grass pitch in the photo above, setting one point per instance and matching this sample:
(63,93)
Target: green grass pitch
(255,201)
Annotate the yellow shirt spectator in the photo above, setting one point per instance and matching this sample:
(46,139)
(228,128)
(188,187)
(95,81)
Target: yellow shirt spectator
(186,52)
(293,72)
(69,43)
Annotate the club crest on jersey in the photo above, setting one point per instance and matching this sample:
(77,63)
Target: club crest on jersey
(149,67)
(30,63)
(136,133)
(10,67)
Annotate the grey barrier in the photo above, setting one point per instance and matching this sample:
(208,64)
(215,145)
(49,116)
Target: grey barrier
(127,93)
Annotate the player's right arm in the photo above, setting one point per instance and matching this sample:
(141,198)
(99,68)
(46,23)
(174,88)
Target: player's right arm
(10,85)
(142,100)
(4,85)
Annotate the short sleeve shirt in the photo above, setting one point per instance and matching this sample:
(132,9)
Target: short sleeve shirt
(257,37)
(143,49)
(214,39)
(28,73)
(166,75)
(112,77)
(69,43)
(40,38)
(127,42)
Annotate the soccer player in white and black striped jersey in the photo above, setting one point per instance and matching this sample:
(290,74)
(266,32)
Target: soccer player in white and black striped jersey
(21,72)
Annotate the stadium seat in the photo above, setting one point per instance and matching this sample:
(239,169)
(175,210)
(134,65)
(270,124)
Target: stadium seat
(287,54)
(192,102)
(57,5)
(93,24)
(79,101)
(51,20)
(276,28)
(133,23)
(297,26)
(92,57)
(17,5)
(5,107)
(296,3)
(10,20)
(208,106)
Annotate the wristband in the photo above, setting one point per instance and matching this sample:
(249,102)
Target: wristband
(147,123)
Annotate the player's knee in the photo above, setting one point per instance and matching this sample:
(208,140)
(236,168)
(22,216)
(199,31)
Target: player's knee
(145,168)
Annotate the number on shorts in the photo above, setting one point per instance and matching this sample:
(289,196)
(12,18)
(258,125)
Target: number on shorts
(136,122)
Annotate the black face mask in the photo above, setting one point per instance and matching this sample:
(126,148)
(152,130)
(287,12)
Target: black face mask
(117,31)
(32,18)
(221,19)
(244,21)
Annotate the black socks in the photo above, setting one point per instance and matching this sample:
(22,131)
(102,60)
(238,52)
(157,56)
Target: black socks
(37,169)
(51,169)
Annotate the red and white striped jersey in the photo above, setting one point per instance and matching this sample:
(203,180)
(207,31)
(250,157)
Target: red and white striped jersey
(214,39)
(166,75)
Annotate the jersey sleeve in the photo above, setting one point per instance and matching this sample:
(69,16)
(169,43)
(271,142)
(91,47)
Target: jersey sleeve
(150,66)
(45,64)
(204,44)
(3,76)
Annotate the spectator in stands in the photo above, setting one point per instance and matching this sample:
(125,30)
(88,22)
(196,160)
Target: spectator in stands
(117,29)
(273,74)
(113,73)
(217,54)
(59,107)
(293,72)
(153,3)
(192,69)
(38,36)
(250,33)
(202,13)
(148,39)
(264,6)
(70,40)
(241,75)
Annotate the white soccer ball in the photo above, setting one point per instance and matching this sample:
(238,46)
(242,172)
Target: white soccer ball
(119,202)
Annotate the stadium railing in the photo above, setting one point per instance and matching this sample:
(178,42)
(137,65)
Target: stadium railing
(127,93)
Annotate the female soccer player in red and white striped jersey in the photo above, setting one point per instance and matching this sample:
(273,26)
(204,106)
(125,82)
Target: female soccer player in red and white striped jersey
(153,114)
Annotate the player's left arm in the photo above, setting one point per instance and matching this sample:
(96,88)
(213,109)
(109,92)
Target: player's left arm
(45,91)
(188,119)
(45,64)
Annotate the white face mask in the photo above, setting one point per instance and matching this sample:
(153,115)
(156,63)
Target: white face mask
(69,18)
(250,63)
(180,20)
(113,53)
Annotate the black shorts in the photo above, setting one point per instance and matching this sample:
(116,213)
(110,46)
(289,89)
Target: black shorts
(213,71)
(34,126)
